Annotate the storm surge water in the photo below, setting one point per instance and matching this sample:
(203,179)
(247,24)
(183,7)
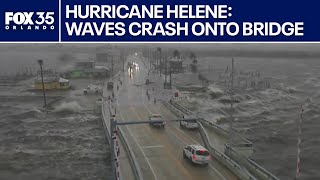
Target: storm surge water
(65,143)
(72,106)
(269,117)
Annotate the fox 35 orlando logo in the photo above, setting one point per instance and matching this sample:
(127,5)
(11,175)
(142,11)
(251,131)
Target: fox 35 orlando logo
(29,21)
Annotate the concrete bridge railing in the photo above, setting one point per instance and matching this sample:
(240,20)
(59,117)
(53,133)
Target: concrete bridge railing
(223,159)
(243,142)
(106,110)
(232,152)
(255,169)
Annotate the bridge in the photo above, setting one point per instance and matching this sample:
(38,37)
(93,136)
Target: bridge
(143,152)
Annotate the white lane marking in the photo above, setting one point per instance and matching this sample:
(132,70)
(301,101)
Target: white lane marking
(143,102)
(135,140)
(212,167)
(144,155)
(149,147)
(185,143)
(181,130)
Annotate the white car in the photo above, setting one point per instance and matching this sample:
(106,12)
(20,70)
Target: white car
(189,124)
(197,154)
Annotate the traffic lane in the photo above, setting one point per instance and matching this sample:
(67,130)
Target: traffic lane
(191,135)
(131,95)
(178,140)
(195,137)
(125,167)
(187,137)
(181,137)
(175,147)
(127,97)
(161,160)
(175,143)
(137,75)
(143,156)
(124,103)
(135,144)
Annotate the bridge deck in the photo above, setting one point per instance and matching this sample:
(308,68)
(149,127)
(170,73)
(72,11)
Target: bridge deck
(159,151)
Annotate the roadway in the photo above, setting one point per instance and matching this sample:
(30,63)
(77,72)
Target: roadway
(159,151)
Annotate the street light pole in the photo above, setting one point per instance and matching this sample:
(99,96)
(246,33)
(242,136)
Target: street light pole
(113,128)
(122,58)
(150,58)
(40,62)
(112,67)
(231,108)
(170,71)
(165,70)
(160,61)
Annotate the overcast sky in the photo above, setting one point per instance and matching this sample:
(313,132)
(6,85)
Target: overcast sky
(16,56)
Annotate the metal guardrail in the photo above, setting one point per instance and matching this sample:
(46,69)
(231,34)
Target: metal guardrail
(221,130)
(252,166)
(132,158)
(223,159)
(104,118)
(103,108)
(263,171)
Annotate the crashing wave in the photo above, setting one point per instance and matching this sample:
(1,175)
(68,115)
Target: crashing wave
(68,107)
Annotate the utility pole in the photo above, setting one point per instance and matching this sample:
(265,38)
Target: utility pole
(231,108)
(170,71)
(122,58)
(299,146)
(160,61)
(165,70)
(155,61)
(114,133)
(113,137)
(150,57)
(40,62)
(112,67)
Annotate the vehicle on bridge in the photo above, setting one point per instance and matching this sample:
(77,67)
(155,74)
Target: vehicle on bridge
(157,117)
(197,154)
(189,124)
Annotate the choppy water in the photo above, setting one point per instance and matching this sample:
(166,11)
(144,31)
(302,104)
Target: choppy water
(63,144)
(269,117)
(70,144)
(67,143)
